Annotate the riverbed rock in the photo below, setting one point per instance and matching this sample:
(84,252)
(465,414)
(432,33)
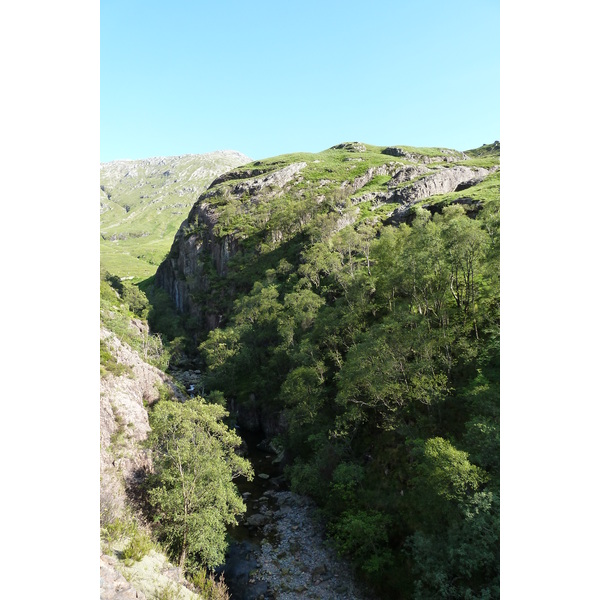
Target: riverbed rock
(299,564)
(257,520)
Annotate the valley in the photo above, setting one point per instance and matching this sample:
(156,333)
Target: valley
(340,311)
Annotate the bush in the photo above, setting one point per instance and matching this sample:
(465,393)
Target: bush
(117,529)
(168,592)
(209,587)
(139,545)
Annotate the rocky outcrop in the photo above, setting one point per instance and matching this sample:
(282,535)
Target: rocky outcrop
(113,585)
(204,245)
(237,174)
(407,173)
(429,183)
(446,155)
(124,424)
(152,577)
(362,180)
(276,179)
(123,464)
(350,147)
(197,249)
(442,181)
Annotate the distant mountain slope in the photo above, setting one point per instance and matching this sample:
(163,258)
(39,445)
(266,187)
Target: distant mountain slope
(142,204)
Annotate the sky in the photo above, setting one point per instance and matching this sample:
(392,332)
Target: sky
(270,77)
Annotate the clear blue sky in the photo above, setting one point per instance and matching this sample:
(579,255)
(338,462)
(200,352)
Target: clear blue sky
(267,78)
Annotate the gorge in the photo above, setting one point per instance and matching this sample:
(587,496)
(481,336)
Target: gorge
(343,307)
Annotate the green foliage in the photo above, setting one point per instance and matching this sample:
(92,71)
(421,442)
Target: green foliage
(445,477)
(138,546)
(380,346)
(117,529)
(209,587)
(120,303)
(362,536)
(461,560)
(168,591)
(192,488)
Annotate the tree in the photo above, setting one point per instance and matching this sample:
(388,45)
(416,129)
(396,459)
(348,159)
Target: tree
(455,551)
(192,489)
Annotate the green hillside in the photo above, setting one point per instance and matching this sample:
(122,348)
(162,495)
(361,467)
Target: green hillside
(344,306)
(142,204)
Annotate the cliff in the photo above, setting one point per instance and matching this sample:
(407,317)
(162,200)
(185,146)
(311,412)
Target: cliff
(265,204)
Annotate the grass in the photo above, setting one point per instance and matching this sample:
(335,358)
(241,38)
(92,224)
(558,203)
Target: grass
(145,202)
(139,545)
(146,211)
(486,162)
(117,530)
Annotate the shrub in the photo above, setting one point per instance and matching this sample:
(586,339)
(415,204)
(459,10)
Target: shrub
(117,529)
(209,587)
(139,545)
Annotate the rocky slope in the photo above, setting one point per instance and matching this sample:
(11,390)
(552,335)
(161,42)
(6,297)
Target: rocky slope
(142,202)
(123,463)
(259,207)
(124,423)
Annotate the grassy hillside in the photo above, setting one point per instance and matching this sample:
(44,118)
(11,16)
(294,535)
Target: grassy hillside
(143,202)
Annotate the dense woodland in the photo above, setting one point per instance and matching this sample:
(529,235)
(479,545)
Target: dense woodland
(379,346)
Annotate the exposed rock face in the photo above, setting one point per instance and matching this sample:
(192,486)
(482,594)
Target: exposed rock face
(113,586)
(442,181)
(196,248)
(361,181)
(183,273)
(231,175)
(203,247)
(276,179)
(449,155)
(152,577)
(407,173)
(429,183)
(124,423)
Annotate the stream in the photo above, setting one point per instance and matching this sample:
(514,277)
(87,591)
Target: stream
(279,551)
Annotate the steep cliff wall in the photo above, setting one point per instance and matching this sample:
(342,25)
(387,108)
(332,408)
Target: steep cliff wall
(242,210)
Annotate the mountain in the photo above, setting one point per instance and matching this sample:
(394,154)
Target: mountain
(258,210)
(142,203)
(345,305)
